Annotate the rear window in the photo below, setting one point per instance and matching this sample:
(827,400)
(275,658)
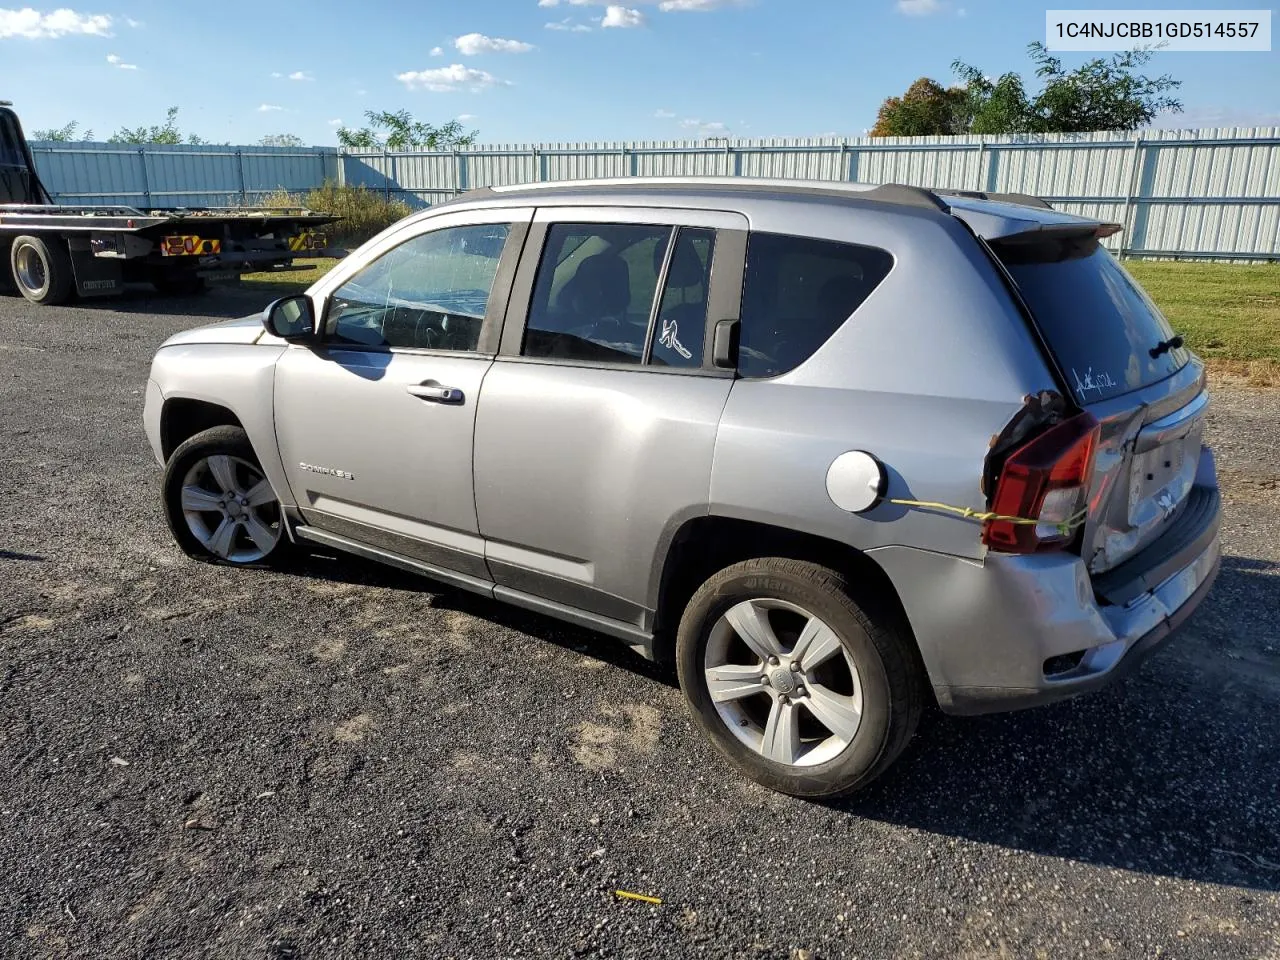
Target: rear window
(1098,322)
(797,292)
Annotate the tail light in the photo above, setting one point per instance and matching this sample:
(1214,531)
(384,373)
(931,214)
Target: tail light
(1046,480)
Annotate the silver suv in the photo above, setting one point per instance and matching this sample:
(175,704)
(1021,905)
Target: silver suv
(830,448)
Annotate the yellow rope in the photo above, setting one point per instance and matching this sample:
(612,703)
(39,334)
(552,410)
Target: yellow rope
(968,513)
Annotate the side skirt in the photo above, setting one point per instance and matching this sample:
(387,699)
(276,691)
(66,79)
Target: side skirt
(639,640)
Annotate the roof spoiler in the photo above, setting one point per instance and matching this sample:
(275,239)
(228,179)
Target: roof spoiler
(1021,199)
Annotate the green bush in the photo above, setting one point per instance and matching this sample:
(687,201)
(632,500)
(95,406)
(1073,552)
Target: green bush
(364,212)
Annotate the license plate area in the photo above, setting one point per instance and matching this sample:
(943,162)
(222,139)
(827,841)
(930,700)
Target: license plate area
(1161,478)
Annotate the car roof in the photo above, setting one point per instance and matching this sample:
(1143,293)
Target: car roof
(993,216)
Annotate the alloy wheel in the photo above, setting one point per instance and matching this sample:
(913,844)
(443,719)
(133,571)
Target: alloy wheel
(783,682)
(230,508)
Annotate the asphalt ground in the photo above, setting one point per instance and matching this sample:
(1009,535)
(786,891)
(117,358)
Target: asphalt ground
(345,761)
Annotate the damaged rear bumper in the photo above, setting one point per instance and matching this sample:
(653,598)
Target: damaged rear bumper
(1019,631)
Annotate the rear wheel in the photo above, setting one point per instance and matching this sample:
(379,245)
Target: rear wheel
(219,504)
(790,677)
(41,270)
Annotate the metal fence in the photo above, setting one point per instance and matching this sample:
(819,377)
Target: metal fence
(186,175)
(1211,193)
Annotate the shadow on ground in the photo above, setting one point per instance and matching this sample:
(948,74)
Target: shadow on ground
(1173,771)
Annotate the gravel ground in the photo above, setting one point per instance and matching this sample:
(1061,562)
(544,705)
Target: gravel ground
(343,761)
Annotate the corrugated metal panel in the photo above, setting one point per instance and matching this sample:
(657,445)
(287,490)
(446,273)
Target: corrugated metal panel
(1188,192)
(187,175)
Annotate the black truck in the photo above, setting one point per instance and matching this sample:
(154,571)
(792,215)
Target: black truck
(52,252)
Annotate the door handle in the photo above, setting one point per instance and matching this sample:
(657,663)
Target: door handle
(435,393)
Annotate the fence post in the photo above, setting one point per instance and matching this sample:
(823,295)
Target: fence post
(843,168)
(240,173)
(146,181)
(386,174)
(1129,194)
(537,164)
(626,166)
(462,170)
(982,164)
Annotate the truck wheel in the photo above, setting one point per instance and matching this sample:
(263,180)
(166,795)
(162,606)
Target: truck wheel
(803,688)
(219,504)
(180,284)
(42,270)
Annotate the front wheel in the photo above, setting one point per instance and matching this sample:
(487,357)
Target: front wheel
(219,504)
(790,678)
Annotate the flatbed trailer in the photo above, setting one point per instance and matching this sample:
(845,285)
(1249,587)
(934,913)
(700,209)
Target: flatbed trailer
(51,252)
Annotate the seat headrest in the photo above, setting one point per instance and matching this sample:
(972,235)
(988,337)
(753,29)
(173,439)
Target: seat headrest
(686,268)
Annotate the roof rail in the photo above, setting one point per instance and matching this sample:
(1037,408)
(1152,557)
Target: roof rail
(1021,199)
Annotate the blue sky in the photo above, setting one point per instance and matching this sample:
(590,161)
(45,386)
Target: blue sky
(536,70)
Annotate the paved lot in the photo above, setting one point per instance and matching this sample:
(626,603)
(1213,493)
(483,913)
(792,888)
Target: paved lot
(343,762)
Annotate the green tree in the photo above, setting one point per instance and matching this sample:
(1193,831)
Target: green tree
(62,134)
(281,140)
(168,133)
(399,131)
(926,109)
(1102,94)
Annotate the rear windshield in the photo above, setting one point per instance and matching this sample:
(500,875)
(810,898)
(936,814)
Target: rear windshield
(1097,321)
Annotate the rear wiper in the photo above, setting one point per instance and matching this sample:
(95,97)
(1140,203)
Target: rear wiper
(1164,346)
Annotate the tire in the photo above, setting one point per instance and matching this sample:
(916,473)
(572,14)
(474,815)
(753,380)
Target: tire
(180,284)
(41,270)
(199,478)
(884,689)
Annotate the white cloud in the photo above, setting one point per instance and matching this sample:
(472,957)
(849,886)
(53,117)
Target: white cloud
(119,63)
(34,25)
(705,127)
(921,8)
(136,24)
(467,117)
(664,114)
(472,44)
(450,78)
(437,51)
(569,26)
(301,75)
(269,108)
(335,122)
(674,6)
(276,74)
(624,17)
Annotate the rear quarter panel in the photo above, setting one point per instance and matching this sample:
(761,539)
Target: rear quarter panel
(929,369)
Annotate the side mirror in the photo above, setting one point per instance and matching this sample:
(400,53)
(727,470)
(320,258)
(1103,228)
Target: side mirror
(724,345)
(291,318)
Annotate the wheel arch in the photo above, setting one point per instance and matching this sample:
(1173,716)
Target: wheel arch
(706,544)
(182,418)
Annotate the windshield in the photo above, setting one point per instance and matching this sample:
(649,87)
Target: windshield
(1100,325)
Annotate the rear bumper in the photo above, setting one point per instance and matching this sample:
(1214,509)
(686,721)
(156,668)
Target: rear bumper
(988,631)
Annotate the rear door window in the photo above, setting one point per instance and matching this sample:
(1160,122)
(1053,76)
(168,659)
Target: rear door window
(1097,321)
(594,292)
(797,292)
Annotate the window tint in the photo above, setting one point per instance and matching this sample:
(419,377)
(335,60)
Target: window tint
(682,317)
(1099,324)
(594,292)
(431,292)
(796,294)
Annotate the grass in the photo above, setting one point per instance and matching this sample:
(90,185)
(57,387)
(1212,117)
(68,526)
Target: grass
(364,212)
(1229,313)
(294,281)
